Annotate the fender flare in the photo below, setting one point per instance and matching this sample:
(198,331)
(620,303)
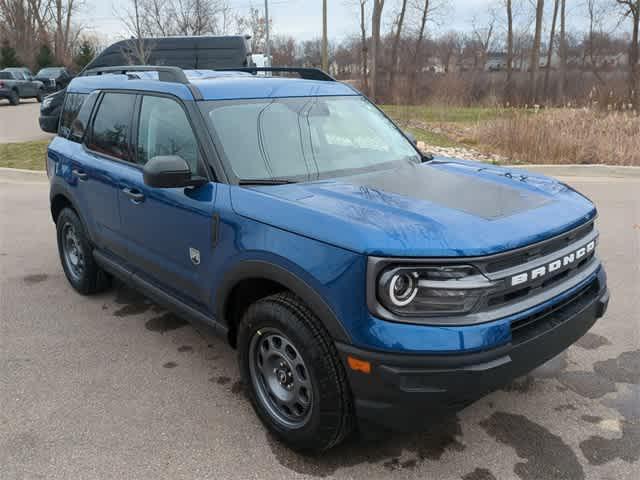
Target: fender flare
(59,189)
(260,269)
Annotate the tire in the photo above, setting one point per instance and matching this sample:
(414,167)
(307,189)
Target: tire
(14,99)
(322,419)
(40,96)
(76,255)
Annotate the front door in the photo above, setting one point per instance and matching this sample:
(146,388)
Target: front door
(168,231)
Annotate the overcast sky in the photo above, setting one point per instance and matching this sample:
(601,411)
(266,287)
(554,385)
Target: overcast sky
(302,18)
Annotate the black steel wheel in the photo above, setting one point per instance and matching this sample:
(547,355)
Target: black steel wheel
(297,383)
(76,255)
(280,377)
(14,98)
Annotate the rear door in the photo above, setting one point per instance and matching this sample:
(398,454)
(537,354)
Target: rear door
(169,232)
(103,162)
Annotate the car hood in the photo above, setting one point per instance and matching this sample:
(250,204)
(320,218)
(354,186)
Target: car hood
(442,208)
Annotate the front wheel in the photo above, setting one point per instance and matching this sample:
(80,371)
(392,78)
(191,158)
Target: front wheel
(76,255)
(14,98)
(297,384)
(40,96)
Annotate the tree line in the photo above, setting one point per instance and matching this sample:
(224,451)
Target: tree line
(518,52)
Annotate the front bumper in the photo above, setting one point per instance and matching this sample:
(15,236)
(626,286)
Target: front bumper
(407,392)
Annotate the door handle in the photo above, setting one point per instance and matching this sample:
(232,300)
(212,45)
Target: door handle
(135,195)
(79,174)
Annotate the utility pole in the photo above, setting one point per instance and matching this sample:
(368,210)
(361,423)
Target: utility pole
(325,46)
(266,19)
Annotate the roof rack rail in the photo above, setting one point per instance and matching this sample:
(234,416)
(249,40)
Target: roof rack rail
(305,73)
(165,74)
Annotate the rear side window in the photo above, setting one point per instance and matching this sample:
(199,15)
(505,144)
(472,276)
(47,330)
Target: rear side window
(112,126)
(75,115)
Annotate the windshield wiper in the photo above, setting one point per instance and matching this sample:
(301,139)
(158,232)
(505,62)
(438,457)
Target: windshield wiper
(265,181)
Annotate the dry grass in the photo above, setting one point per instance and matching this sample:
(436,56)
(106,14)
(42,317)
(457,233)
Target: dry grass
(563,136)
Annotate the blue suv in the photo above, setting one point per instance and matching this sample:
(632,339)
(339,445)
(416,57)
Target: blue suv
(360,281)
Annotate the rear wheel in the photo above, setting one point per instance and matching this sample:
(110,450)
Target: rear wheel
(297,384)
(14,98)
(76,255)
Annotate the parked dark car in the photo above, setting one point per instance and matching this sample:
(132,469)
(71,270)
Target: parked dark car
(54,78)
(15,85)
(212,52)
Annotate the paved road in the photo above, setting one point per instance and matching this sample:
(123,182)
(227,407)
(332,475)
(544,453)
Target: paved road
(20,123)
(113,387)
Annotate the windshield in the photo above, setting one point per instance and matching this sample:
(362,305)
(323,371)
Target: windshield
(305,138)
(50,71)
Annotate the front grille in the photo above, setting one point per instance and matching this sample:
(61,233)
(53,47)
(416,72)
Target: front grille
(554,315)
(532,288)
(538,250)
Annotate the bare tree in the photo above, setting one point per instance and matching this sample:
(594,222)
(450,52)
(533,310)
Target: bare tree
(509,82)
(376,20)
(363,40)
(631,10)
(417,64)
(255,25)
(563,50)
(552,36)
(483,38)
(535,52)
(396,44)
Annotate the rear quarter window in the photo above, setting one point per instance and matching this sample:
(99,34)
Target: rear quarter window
(75,115)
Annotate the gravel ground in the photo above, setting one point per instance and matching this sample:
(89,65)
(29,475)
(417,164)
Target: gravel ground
(111,386)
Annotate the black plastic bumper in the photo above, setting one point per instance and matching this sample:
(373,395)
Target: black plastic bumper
(405,392)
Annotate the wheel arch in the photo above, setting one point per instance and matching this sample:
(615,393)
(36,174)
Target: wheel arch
(255,279)
(59,199)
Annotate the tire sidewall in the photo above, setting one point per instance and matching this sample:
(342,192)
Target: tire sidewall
(84,284)
(317,432)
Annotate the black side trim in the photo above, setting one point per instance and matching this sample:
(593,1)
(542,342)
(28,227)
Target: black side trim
(157,294)
(257,269)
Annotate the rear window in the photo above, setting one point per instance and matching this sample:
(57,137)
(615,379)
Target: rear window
(112,126)
(75,115)
(5,76)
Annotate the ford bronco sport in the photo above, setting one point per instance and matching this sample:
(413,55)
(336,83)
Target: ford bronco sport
(358,279)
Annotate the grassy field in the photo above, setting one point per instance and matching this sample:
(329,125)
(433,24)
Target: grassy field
(550,136)
(27,155)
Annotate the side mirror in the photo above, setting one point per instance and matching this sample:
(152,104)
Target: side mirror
(411,137)
(169,171)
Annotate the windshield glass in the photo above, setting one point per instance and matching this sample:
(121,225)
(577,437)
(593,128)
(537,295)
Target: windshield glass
(306,138)
(50,71)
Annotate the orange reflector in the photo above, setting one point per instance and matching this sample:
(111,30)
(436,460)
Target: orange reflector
(359,365)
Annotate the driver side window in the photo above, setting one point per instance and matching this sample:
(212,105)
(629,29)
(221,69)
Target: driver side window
(165,130)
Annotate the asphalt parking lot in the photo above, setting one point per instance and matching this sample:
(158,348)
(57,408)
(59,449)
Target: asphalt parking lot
(20,123)
(112,386)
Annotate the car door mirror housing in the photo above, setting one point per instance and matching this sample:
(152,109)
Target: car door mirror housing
(169,171)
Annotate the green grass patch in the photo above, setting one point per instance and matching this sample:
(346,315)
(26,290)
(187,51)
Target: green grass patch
(435,114)
(26,155)
(433,138)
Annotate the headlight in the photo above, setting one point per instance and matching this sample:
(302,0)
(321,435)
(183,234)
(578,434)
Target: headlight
(46,102)
(431,290)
